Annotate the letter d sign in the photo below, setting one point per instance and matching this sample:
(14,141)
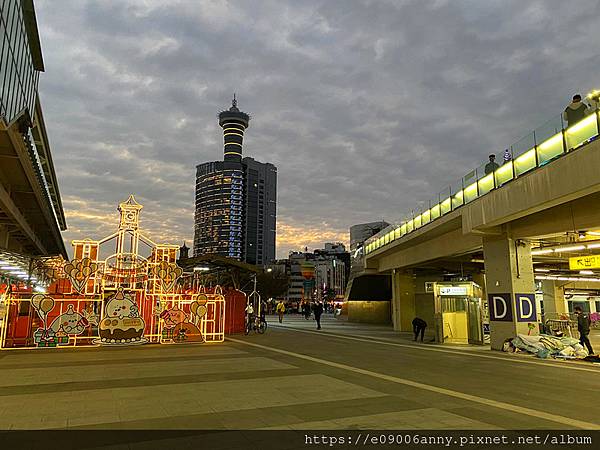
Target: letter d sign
(500,306)
(526,308)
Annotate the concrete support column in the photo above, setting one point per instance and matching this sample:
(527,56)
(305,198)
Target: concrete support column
(403,300)
(510,288)
(554,299)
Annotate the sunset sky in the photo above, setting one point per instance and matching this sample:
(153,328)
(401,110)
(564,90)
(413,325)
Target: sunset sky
(366,107)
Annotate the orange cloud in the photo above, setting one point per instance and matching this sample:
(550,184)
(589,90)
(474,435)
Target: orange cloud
(95,220)
(298,236)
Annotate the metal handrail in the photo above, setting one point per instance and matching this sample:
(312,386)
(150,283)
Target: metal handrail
(556,140)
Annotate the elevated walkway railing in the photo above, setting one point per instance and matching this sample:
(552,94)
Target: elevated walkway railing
(540,147)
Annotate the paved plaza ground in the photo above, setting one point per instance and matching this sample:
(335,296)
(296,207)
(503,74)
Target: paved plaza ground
(343,377)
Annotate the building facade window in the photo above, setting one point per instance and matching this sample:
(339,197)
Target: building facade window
(18,77)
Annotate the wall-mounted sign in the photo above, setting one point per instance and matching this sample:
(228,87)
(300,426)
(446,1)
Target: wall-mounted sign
(453,290)
(584,262)
(526,308)
(500,307)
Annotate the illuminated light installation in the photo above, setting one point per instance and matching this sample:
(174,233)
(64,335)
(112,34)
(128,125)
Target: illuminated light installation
(123,299)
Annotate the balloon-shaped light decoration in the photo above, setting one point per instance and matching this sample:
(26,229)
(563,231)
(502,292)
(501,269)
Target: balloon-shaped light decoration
(194,307)
(47,304)
(43,305)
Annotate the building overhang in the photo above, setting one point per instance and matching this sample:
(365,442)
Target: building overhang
(30,220)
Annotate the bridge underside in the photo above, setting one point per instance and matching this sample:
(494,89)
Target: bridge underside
(28,224)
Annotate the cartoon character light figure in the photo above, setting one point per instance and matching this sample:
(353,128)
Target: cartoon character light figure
(178,328)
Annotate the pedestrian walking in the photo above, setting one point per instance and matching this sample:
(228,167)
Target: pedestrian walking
(575,111)
(249,314)
(507,156)
(491,166)
(306,310)
(280,310)
(419,326)
(318,310)
(583,326)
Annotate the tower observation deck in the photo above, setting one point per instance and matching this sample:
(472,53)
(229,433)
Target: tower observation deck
(234,122)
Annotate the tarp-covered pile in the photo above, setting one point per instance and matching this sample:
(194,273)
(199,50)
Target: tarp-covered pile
(544,345)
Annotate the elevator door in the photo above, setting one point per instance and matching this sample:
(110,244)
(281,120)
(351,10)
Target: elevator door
(454,320)
(475,320)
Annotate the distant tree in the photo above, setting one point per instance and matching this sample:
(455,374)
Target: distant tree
(272,284)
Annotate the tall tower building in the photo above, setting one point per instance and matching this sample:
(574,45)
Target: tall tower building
(236,199)
(234,122)
(260,211)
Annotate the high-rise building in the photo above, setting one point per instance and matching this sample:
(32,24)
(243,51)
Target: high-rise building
(236,199)
(260,212)
(31,212)
(320,275)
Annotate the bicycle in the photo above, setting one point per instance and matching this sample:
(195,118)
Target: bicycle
(258,324)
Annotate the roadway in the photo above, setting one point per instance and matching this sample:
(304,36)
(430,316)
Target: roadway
(295,377)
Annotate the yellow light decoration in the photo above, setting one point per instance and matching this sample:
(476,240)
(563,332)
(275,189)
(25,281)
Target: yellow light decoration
(589,120)
(554,140)
(124,295)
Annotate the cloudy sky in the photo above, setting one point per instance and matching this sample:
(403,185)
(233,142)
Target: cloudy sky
(366,107)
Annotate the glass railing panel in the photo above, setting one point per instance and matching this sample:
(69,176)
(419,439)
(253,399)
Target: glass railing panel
(435,211)
(403,229)
(426,217)
(397,233)
(525,162)
(490,165)
(386,239)
(504,173)
(446,206)
(550,148)
(486,184)
(470,192)
(549,129)
(457,200)
(417,221)
(470,177)
(581,132)
(523,145)
(409,226)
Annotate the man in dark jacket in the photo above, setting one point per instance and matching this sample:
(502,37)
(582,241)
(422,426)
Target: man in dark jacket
(583,326)
(318,310)
(575,111)
(419,326)
(306,310)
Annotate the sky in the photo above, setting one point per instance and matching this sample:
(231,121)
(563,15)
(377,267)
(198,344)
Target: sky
(367,108)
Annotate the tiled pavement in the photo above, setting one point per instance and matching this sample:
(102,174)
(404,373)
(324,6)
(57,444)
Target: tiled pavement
(233,386)
(198,387)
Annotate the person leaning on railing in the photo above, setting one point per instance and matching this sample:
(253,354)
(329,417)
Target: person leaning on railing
(491,166)
(576,110)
